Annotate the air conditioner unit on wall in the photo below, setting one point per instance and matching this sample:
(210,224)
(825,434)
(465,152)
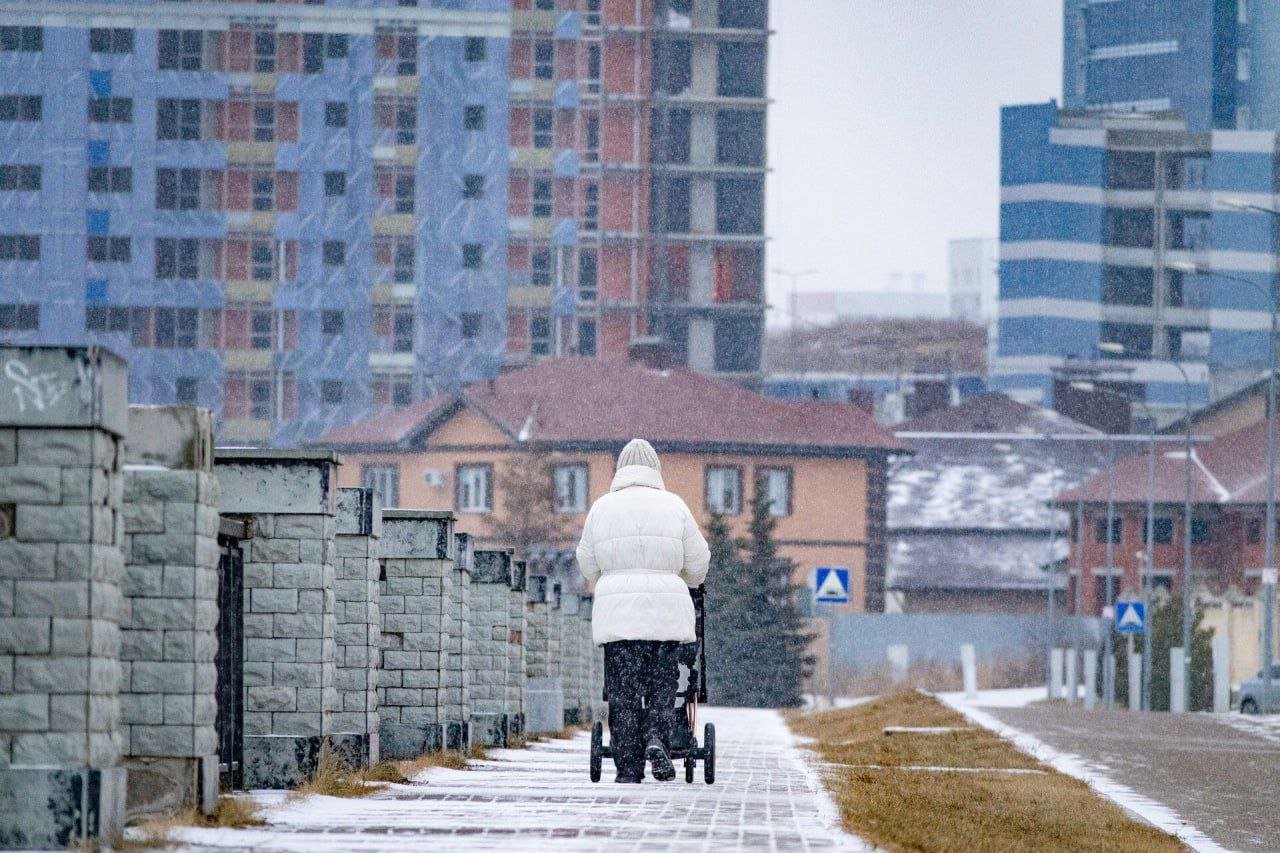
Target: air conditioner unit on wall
(433,477)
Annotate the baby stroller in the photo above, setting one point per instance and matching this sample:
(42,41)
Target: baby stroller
(692,690)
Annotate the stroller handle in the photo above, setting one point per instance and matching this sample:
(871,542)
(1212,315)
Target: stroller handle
(699,596)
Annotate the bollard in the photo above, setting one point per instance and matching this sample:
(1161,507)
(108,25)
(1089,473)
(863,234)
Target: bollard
(1109,679)
(969,667)
(899,661)
(1135,681)
(1090,678)
(1221,674)
(1073,677)
(1177,682)
(1055,673)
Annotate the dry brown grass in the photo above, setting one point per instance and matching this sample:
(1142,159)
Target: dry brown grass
(450,759)
(231,813)
(923,810)
(332,779)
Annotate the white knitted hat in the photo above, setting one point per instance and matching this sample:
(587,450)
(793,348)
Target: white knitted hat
(639,452)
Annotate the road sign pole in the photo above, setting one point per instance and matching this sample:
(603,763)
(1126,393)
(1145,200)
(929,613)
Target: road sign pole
(831,587)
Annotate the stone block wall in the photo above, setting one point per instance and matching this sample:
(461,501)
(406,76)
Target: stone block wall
(290,622)
(358,527)
(62,421)
(516,632)
(417,553)
(488,636)
(168,638)
(455,678)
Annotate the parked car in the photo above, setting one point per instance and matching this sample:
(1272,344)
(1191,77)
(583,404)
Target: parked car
(1251,693)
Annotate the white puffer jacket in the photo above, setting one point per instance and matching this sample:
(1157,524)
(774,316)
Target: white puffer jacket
(643,548)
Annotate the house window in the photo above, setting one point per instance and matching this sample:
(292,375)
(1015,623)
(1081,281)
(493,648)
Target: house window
(19,247)
(544,59)
(586,337)
(20,108)
(24,178)
(1161,528)
(335,183)
(473,186)
(475,488)
(1253,531)
(110,40)
(541,268)
(385,482)
(777,489)
(186,391)
(540,334)
(543,124)
(180,50)
(1100,530)
(176,189)
(335,253)
(472,256)
(335,114)
(25,39)
(114,249)
(473,118)
(471,324)
(1201,531)
(332,392)
(571,488)
(111,110)
(474,51)
(332,322)
(542,198)
(724,490)
(178,119)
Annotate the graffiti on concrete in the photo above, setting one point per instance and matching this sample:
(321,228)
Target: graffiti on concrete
(39,391)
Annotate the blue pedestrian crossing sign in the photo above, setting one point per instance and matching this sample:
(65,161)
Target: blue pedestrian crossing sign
(1131,617)
(831,585)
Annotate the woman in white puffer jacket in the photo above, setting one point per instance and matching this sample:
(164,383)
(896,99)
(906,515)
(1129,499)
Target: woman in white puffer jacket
(643,549)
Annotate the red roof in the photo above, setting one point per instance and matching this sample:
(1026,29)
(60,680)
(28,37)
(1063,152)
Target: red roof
(585,400)
(1229,469)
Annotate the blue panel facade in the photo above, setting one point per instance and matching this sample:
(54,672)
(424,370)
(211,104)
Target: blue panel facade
(291,217)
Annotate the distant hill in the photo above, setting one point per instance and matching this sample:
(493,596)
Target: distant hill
(879,346)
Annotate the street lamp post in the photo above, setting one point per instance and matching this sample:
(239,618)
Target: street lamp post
(1269,536)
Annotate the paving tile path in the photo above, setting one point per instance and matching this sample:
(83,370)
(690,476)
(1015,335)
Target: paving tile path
(766,797)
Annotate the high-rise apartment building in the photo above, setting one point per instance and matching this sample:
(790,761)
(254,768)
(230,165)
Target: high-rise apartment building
(637,180)
(291,213)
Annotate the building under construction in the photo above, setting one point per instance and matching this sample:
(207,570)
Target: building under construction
(637,180)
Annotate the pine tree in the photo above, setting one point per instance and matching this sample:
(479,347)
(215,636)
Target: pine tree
(528,514)
(756,638)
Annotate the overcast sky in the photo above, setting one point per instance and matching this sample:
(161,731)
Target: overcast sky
(884,131)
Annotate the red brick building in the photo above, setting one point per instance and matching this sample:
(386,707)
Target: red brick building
(1227,523)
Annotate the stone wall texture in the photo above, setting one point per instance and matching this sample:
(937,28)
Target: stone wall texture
(358,526)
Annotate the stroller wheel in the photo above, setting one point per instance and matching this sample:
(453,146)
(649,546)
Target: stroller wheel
(709,748)
(689,764)
(597,742)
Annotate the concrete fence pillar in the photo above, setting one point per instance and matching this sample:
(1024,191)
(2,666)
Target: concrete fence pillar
(418,550)
(488,635)
(168,636)
(586,658)
(455,684)
(543,689)
(357,530)
(290,623)
(516,635)
(571,657)
(63,417)
(1177,681)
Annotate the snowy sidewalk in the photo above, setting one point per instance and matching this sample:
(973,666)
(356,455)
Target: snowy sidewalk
(766,797)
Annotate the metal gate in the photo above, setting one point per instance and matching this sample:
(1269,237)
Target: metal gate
(230,655)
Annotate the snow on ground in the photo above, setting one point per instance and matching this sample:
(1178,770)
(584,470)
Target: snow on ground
(766,796)
(1096,776)
(1265,726)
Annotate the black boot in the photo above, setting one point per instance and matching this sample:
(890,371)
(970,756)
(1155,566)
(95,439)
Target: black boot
(659,761)
(627,742)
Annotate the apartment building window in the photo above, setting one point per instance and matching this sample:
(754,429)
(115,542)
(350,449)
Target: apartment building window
(724,489)
(1189,344)
(593,64)
(571,488)
(540,334)
(397,117)
(24,39)
(186,391)
(587,276)
(1133,338)
(541,267)
(590,207)
(262,260)
(474,49)
(407,55)
(402,332)
(114,40)
(264,123)
(591,152)
(592,15)
(111,249)
(739,206)
(1127,285)
(587,337)
(21,178)
(542,197)
(776,483)
(20,108)
(471,326)
(736,344)
(178,119)
(1131,227)
(472,256)
(332,323)
(1201,531)
(385,482)
(19,247)
(264,52)
(740,69)
(392,391)
(262,330)
(742,14)
(264,191)
(1131,170)
(335,114)
(109,179)
(473,118)
(176,328)
(544,59)
(19,318)
(177,189)
(545,5)
(103,319)
(177,258)
(543,126)
(1253,531)
(335,253)
(260,407)
(473,186)
(404,193)
(111,110)
(335,183)
(740,138)
(180,50)
(1100,530)
(474,488)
